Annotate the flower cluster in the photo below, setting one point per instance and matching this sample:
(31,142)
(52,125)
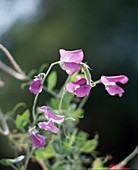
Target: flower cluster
(71,62)
(38,140)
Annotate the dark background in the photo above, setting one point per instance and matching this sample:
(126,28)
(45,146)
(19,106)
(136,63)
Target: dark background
(107,31)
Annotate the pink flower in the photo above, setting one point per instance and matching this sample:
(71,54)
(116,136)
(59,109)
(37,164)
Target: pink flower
(70,60)
(48,126)
(37,140)
(111,86)
(114,167)
(36,86)
(75,87)
(51,116)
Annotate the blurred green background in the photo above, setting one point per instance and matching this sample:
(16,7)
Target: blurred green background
(107,31)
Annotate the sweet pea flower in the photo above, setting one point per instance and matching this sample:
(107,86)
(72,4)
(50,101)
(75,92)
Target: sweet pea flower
(51,116)
(48,126)
(37,140)
(70,60)
(111,86)
(36,86)
(75,87)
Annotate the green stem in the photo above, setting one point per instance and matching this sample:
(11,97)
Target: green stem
(128,158)
(61,100)
(14,167)
(33,109)
(28,156)
(83,102)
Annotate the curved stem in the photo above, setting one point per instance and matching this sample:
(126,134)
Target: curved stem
(82,103)
(28,156)
(61,100)
(33,109)
(4,124)
(128,158)
(16,66)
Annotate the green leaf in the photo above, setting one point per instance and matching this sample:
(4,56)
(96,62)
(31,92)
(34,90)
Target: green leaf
(25,117)
(45,154)
(8,162)
(89,146)
(22,120)
(19,121)
(54,103)
(52,80)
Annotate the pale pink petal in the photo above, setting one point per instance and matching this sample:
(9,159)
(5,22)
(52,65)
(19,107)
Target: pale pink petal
(71,87)
(48,126)
(70,67)
(106,79)
(114,89)
(83,91)
(71,56)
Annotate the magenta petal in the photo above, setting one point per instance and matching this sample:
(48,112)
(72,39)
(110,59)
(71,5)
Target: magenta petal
(80,80)
(37,140)
(70,67)
(55,118)
(107,79)
(48,126)
(36,86)
(51,116)
(71,87)
(43,108)
(71,56)
(83,90)
(114,89)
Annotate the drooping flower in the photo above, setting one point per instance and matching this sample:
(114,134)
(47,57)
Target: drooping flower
(111,86)
(48,126)
(51,116)
(114,167)
(70,60)
(36,86)
(37,140)
(75,87)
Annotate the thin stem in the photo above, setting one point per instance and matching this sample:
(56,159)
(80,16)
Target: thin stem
(33,109)
(128,158)
(28,156)
(82,103)
(57,62)
(54,94)
(4,124)
(14,167)
(10,71)
(61,100)
(16,66)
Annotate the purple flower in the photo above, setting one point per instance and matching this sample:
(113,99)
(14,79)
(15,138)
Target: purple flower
(111,86)
(51,116)
(70,60)
(48,126)
(36,86)
(37,140)
(75,87)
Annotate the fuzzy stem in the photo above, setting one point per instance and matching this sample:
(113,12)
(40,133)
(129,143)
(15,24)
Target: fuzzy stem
(82,103)
(33,109)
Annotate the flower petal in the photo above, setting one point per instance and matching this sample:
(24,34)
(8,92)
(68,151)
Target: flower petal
(70,67)
(71,56)
(71,87)
(107,79)
(36,86)
(51,116)
(83,90)
(114,89)
(80,80)
(48,126)
(37,140)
